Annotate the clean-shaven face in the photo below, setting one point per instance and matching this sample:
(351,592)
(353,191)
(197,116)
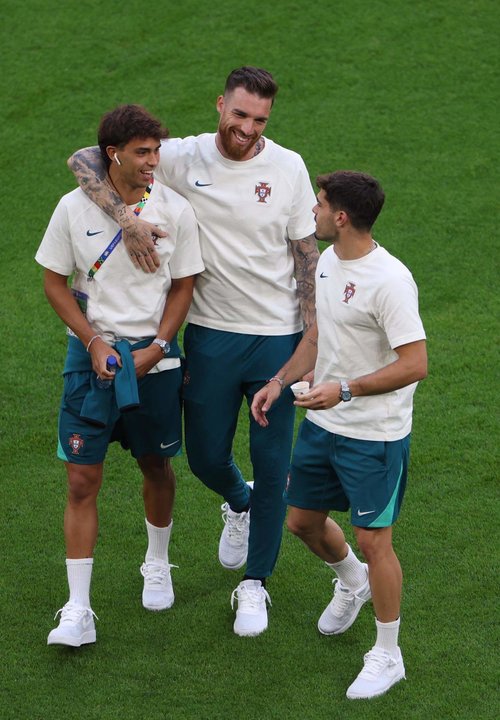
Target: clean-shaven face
(243,118)
(138,159)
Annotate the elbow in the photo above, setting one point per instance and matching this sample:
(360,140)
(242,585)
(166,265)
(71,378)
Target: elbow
(421,371)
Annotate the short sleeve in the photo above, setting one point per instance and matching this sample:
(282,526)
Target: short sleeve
(56,251)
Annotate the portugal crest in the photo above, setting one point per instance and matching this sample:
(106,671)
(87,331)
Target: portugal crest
(263,191)
(349,291)
(76,443)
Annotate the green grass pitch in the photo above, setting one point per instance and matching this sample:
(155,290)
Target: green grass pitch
(407,91)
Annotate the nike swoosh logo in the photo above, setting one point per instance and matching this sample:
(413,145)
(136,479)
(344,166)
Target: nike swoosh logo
(366,512)
(98,232)
(164,447)
(200,184)
(323,275)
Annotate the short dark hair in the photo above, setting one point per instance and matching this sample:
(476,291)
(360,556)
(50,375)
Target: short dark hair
(359,194)
(124,123)
(255,80)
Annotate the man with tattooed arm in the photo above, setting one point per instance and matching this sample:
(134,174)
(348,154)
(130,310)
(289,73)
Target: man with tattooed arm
(253,201)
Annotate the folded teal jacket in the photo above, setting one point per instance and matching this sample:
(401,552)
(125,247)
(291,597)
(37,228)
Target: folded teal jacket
(123,393)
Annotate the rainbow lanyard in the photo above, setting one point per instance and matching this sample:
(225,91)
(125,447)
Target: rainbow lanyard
(114,242)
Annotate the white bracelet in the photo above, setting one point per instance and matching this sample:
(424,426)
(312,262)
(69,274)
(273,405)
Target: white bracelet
(279,380)
(92,340)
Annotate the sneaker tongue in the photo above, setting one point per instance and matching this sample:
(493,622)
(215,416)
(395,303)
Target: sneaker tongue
(252,584)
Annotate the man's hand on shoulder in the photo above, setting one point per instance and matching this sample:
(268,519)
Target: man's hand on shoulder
(139,237)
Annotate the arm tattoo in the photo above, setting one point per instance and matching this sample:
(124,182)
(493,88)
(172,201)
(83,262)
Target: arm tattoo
(92,176)
(305,255)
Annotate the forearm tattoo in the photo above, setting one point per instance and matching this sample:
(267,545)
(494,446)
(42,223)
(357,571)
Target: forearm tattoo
(306,255)
(92,176)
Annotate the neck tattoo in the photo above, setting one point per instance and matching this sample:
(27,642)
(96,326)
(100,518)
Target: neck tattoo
(259,146)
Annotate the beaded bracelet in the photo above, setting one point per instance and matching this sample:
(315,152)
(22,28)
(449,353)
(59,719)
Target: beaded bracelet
(278,379)
(94,337)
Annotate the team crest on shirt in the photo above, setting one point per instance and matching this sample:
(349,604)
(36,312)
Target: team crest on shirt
(76,443)
(263,191)
(349,291)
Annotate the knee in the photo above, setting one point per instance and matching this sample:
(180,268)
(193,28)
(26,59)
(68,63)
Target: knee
(298,525)
(205,463)
(156,470)
(375,543)
(83,484)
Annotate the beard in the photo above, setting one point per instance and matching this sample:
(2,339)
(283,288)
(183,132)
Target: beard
(233,149)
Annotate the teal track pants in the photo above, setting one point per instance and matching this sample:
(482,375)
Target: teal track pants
(222,368)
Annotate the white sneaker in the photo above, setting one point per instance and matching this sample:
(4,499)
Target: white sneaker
(251,615)
(76,626)
(380,672)
(158,592)
(233,543)
(344,607)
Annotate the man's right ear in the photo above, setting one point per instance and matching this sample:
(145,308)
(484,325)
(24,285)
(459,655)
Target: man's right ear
(111,151)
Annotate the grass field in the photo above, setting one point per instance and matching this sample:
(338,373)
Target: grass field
(407,91)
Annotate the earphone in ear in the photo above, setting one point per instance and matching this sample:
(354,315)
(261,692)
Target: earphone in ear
(116,158)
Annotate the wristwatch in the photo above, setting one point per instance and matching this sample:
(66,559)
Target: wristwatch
(345,392)
(164,345)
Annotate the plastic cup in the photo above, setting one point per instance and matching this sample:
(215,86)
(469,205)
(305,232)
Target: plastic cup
(299,388)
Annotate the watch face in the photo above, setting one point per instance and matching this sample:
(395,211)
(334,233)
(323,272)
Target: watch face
(345,393)
(164,345)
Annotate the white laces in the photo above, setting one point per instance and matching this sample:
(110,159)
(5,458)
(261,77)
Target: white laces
(375,662)
(73,612)
(236,523)
(156,573)
(342,598)
(251,597)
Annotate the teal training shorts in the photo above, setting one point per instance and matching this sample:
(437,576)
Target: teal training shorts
(333,472)
(154,428)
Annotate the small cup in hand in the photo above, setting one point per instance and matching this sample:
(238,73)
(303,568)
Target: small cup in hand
(299,388)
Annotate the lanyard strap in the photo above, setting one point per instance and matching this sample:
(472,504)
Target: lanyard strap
(114,242)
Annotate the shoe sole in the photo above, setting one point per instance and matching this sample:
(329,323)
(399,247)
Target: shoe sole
(232,567)
(157,608)
(249,633)
(86,639)
(377,694)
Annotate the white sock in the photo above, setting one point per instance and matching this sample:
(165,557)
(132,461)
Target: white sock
(387,636)
(79,577)
(158,540)
(350,571)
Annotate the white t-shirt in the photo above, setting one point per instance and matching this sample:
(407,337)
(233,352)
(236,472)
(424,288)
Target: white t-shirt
(365,309)
(248,212)
(122,302)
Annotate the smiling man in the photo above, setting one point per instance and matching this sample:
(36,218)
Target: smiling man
(116,313)
(253,202)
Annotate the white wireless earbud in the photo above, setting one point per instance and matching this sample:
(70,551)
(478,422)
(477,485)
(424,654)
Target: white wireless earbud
(117,160)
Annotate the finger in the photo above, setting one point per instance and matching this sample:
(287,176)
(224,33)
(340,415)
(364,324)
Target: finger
(135,259)
(159,233)
(148,263)
(154,258)
(143,261)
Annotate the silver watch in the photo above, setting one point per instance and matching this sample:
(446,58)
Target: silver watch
(164,345)
(345,391)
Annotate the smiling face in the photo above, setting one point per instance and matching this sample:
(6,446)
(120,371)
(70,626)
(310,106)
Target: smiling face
(132,166)
(243,118)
